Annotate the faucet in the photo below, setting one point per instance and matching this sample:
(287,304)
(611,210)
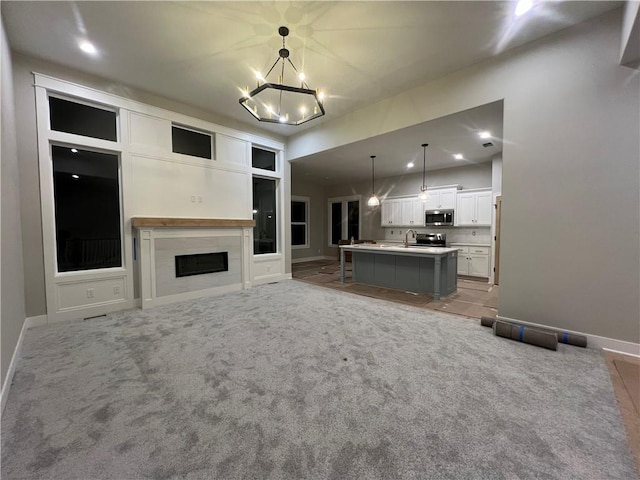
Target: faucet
(406,236)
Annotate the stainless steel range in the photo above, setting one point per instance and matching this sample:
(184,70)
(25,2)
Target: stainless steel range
(431,239)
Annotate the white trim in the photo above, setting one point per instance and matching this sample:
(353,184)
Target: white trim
(636,355)
(276,277)
(38,321)
(181,297)
(593,341)
(311,259)
(91,310)
(53,84)
(12,368)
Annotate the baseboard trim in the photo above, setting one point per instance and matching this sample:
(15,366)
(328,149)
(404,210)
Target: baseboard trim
(593,341)
(278,277)
(38,321)
(12,368)
(29,322)
(312,259)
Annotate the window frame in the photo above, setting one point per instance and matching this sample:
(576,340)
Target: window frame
(71,273)
(307,209)
(345,216)
(261,172)
(278,233)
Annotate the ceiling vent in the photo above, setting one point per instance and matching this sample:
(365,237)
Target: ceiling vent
(488,144)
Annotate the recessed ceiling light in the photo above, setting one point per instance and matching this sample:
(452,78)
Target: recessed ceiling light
(410,165)
(485,134)
(458,156)
(523,7)
(87,47)
(74,150)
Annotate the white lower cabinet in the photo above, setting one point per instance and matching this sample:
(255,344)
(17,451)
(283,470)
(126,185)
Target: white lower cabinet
(473,260)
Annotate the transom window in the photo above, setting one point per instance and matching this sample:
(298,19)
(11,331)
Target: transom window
(191,142)
(81,119)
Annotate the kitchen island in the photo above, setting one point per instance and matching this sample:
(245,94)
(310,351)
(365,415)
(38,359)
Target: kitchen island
(412,268)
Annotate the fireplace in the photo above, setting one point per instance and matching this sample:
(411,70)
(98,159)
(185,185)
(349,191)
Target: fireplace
(201,263)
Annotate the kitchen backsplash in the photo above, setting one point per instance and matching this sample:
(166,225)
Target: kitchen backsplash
(454,234)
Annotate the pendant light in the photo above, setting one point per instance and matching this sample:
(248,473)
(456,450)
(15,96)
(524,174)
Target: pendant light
(373,199)
(423,189)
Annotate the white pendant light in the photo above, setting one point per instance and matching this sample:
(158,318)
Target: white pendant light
(373,199)
(423,190)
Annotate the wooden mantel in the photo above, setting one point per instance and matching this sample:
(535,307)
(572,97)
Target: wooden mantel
(189,222)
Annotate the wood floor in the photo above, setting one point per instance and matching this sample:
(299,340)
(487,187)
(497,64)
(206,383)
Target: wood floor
(474,299)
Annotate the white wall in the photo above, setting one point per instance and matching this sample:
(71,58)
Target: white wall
(570,158)
(12,313)
(30,197)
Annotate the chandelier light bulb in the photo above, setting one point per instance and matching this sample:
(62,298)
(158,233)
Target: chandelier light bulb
(302,76)
(320,95)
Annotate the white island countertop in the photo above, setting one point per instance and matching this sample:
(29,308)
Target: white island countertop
(399,248)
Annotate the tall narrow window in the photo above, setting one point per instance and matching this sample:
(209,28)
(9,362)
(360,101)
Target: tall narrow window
(299,222)
(264,213)
(87,209)
(344,219)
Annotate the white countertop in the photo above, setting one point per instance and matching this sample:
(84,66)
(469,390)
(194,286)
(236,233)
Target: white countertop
(399,248)
(468,244)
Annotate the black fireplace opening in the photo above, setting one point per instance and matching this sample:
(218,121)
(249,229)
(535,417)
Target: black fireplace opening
(201,263)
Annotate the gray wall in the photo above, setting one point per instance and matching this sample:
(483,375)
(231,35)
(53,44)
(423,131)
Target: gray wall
(570,159)
(23,67)
(12,312)
(470,176)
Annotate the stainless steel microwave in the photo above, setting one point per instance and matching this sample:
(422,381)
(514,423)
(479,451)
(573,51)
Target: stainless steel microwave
(439,217)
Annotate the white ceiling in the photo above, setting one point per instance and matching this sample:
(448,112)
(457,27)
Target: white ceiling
(203,53)
(446,136)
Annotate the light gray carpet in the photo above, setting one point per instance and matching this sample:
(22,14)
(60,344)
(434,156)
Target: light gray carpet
(297,381)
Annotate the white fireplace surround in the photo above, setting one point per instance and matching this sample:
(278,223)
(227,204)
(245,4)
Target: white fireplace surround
(161,241)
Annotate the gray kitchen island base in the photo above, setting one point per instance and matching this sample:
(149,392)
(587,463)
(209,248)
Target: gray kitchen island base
(416,270)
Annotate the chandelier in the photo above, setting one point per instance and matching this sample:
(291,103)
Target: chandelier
(277,102)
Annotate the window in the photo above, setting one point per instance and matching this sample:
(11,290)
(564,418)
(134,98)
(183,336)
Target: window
(264,213)
(344,219)
(77,118)
(299,222)
(263,159)
(87,209)
(190,142)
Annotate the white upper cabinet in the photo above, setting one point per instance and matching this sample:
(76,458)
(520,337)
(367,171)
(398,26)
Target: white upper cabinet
(473,208)
(402,212)
(441,198)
